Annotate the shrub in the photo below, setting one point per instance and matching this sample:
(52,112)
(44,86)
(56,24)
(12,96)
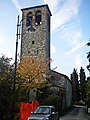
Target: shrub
(54,100)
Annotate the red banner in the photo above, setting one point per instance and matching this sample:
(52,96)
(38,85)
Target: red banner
(26,109)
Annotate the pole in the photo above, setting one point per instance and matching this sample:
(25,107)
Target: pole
(15,69)
(14,82)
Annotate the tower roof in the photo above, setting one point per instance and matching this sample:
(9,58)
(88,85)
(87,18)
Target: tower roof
(38,7)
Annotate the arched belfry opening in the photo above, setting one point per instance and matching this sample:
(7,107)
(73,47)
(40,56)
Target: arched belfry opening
(29,19)
(38,19)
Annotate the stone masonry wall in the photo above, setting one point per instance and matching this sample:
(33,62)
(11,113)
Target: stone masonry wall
(41,35)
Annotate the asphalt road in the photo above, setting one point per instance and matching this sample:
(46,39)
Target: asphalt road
(76,113)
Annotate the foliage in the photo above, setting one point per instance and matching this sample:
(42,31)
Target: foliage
(88,80)
(6,88)
(88,57)
(42,94)
(54,99)
(21,89)
(82,85)
(48,96)
(34,70)
(88,92)
(75,86)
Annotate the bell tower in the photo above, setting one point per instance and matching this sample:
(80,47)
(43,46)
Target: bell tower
(35,38)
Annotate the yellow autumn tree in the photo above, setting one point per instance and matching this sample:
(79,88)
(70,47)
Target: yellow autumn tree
(34,70)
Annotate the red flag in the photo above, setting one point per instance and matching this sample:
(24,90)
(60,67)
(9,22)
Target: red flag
(26,109)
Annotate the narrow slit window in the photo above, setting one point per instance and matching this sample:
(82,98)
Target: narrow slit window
(33,42)
(37,51)
(28,51)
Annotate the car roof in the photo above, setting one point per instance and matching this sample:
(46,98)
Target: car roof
(46,106)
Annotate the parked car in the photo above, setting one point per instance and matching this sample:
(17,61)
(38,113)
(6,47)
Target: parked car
(44,113)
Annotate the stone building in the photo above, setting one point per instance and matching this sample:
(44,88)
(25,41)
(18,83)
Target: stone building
(36,31)
(64,83)
(35,40)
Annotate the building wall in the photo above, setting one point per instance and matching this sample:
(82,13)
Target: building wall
(68,87)
(63,82)
(35,43)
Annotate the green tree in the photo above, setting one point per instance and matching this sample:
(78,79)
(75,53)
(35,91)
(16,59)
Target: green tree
(34,71)
(88,79)
(82,85)
(88,92)
(6,82)
(88,57)
(75,86)
(6,88)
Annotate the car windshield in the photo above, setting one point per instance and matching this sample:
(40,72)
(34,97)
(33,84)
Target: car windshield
(42,110)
